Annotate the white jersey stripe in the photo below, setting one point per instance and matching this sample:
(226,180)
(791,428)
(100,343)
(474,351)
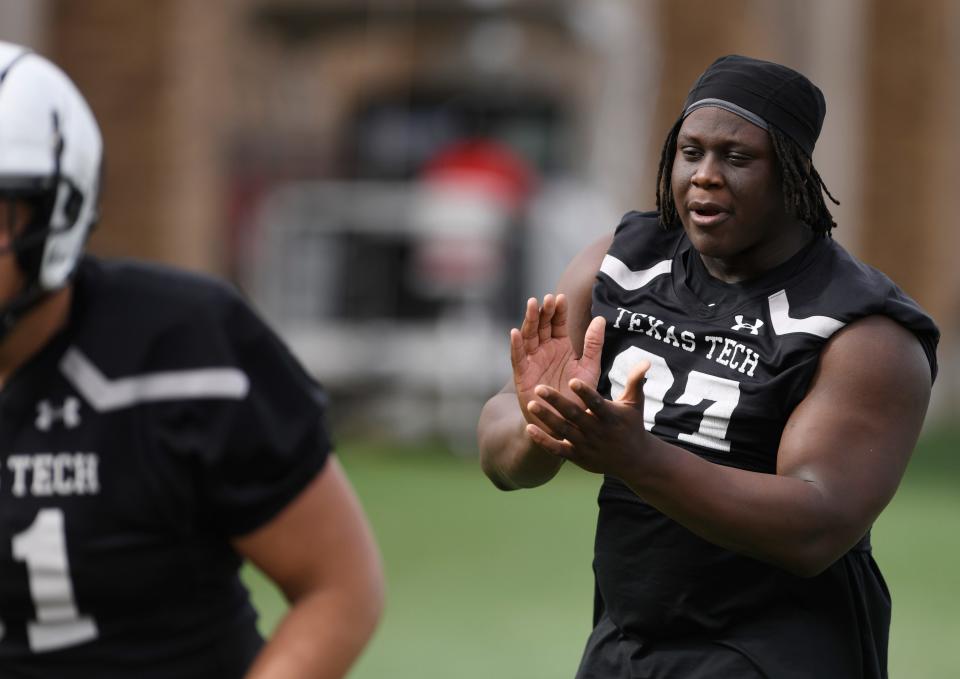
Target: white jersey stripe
(632,280)
(783,324)
(106,395)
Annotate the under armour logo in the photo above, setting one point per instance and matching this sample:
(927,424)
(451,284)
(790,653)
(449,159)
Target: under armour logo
(754,328)
(68,413)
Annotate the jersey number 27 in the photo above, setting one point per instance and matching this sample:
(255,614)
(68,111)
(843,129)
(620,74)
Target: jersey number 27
(700,387)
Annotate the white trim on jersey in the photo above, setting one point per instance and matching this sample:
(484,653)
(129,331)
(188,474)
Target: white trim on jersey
(783,324)
(105,394)
(629,279)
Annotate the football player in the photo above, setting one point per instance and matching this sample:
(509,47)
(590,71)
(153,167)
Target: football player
(750,392)
(155,433)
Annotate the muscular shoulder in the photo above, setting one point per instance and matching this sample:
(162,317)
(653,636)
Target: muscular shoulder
(840,290)
(870,391)
(874,369)
(877,341)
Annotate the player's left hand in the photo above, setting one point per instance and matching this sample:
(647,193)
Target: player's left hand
(598,435)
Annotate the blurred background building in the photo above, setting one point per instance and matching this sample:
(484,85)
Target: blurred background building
(389,179)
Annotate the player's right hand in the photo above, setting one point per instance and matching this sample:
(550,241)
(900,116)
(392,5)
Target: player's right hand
(541,353)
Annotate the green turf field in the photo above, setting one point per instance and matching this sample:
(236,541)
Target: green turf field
(488,584)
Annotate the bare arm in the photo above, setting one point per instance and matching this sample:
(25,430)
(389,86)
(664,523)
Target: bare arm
(546,348)
(321,553)
(842,454)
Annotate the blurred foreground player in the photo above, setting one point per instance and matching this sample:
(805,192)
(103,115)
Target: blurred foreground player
(750,392)
(154,434)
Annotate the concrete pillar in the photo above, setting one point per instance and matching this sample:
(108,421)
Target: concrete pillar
(153,74)
(909,179)
(833,57)
(909,192)
(114,52)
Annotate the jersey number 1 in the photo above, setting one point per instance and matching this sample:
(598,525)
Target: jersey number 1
(43,547)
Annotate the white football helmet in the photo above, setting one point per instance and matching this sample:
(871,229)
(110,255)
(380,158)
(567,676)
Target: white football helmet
(50,156)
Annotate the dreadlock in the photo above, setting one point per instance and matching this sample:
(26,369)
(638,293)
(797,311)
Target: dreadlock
(803,188)
(801,184)
(666,208)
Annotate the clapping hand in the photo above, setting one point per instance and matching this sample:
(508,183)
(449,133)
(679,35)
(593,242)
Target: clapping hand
(542,354)
(599,435)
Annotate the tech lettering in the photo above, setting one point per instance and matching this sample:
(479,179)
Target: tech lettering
(48,474)
(732,354)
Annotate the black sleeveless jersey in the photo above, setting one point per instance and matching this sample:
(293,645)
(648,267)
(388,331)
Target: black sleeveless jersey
(163,420)
(729,363)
